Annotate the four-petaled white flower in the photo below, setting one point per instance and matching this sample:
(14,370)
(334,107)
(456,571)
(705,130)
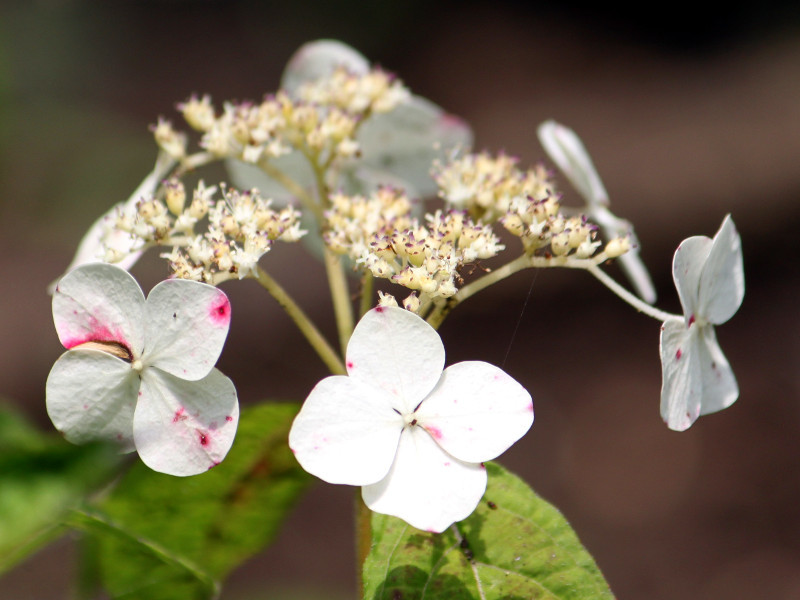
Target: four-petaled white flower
(412,435)
(710,279)
(141,372)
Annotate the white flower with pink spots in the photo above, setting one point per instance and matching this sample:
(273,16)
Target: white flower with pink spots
(141,371)
(697,379)
(412,435)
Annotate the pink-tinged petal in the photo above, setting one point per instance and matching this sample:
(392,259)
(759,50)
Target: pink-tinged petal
(184,427)
(476,412)
(186,326)
(346,432)
(91,395)
(687,267)
(426,487)
(568,152)
(720,389)
(318,59)
(99,303)
(722,281)
(682,383)
(397,351)
(405,141)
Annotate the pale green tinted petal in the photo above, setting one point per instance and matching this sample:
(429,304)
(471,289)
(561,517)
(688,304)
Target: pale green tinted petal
(568,152)
(396,351)
(99,303)
(318,59)
(719,384)
(722,281)
(682,383)
(184,427)
(91,395)
(426,487)
(405,141)
(294,165)
(476,412)
(687,267)
(186,326)
(346,432)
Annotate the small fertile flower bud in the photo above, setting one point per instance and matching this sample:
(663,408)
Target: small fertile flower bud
(618,247)
(175,196)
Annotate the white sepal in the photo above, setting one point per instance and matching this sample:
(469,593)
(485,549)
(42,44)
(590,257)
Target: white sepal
(184,427)
(476,412)
(99,302)
(398,352)
(91,396)
(346,432)
(426,487)
(186,326)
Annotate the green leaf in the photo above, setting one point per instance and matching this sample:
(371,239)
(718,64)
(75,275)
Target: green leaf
(41,478)
(161,537)
(514,546)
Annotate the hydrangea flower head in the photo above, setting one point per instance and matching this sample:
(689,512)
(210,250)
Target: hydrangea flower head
(141,371)
(412,435)
(697,379)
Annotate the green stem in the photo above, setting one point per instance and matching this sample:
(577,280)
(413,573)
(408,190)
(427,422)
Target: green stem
(363,538)
(292,187)
(367,289)
(523,262)
(635,302)
(304,324)
(342,308)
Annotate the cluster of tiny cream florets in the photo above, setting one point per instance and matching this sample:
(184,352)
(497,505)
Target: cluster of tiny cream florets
(241,229)
(525,203)
(320,120)
(379,234)
(487,186)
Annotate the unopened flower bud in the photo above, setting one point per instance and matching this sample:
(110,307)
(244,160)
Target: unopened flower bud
(618,247)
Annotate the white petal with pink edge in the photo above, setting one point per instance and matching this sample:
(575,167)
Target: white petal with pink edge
(397,351)
(426,487)
(476,412)
(346,432)
(184,427)
(99,302)
(91,396)
(186,326)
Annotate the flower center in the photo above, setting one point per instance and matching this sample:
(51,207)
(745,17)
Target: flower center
(410,420)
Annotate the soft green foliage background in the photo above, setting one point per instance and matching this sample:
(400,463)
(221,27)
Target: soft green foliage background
(42,477)
(514,546)
(161,537)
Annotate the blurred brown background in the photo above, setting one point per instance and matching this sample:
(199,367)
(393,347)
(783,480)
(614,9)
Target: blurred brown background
(688,115)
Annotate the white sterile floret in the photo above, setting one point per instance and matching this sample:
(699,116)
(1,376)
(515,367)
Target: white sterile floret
(709,276)
(413,436)
(568,152)
(141,372)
